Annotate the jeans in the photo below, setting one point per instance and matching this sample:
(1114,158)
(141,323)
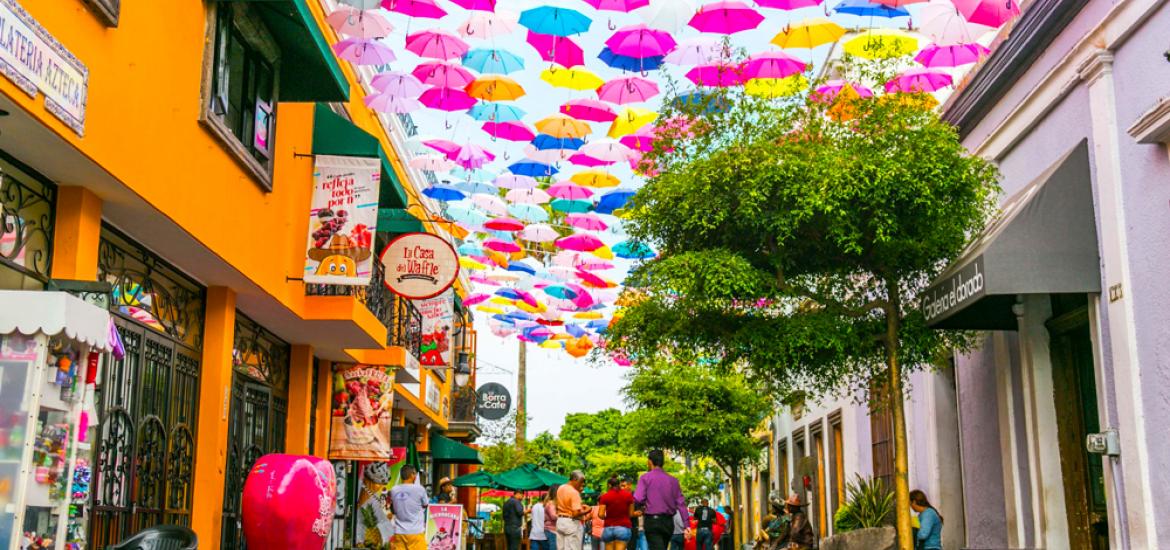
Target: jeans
(513,538)
(704,539)
(552,539)
(538,544)
(659,530)
(677,542)
(615,534)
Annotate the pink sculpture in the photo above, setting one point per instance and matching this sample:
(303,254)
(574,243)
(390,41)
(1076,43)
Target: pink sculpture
(288,502)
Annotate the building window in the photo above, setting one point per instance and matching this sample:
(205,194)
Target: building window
(818,437)
(240,103)
(782,468)
(837,462)
(107,10)
(881,425)
(27,204)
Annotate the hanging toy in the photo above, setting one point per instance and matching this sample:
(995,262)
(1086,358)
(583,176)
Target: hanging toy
(88,407)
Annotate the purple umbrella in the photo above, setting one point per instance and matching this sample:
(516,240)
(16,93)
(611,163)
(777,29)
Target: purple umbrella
(364,51)
(628,89)
(919,80)
(557,49)
(640,41)
(587,161)
(472,156)
(589,109)
(511,131)
(447,99)
(772,65)
(436,44)
(696,51)
(415,8)
(718,75)
(951,56)
(727,17)
(829,91)
(397,84)
(445,75)
(516,181)
(390,103)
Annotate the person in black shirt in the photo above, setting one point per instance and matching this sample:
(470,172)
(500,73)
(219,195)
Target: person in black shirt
(704,522)
(513,522)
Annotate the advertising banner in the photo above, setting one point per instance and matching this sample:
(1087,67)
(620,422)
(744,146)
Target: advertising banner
(373,502)
(362,401)
(444,527)
(342,219)
(438,319)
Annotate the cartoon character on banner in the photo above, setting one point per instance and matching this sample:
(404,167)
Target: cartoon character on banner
(288,502)
(434,345)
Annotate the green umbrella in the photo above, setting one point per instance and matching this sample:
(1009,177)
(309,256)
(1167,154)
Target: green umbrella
(476,479)
(528,477)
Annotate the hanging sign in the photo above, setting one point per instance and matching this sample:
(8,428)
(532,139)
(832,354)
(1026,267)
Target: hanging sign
(438,316)
(493,401)
(445,527)
(342,220)
(36,62)
(362,399)
(419,265)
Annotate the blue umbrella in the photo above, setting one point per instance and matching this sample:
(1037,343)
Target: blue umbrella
(473,187)
(509,293)
(571,206)
(521,267)
(503,319)
(864,8)
(598,325)
(528,212)
(470,248)
(709,103)
(467,215)
(477,174)
(629,63)
(632,250)
(532,169)
(561,292)
(492,60)
(496,112)
(613,200)
(555,21)
(575,330)
(544,142)
(519,315)
(444,193)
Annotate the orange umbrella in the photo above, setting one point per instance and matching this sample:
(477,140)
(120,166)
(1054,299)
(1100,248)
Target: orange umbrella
(495,88)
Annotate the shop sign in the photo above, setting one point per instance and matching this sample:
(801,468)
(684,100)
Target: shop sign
(419,265)
(434,396)
(361,412)
(493,401)
(438,316)
(373,527)
(954,293)
(342,219)
(37,63)
(445,527)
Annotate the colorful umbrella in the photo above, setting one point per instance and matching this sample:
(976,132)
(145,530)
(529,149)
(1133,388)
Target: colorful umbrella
(478,5)
(951,56)
(701,101)
(865,8)
(514,181)
(504,223)
(471,300)
(772,65)
(495,88)
(569,190)
(559,125)
(555,21)
(945,25)
(576,78)
(716,75)
(629,89)
(560,292)
(539,233)
(728,17)
(390,103)
(628,63)
(589,109)
(670,15)
(788,4)
(641,140)
(809,33)
(570,206)
(350,21)
(364,51)
(444,193)
(557,49)
(594,178)
(446,99)
(630,120)
(492,60)
(696,51)
(992,13)
(426,9)
(881,44)
(469,263)
(362,4)
(528,212)
(487,25)
(500,245)
(623,6)
(527,196)
(918,79)
(436,44)
(490,204)
(581,242)
(772,88)
(511,131)
(445,146)
(434,163)
(544,142)
(398,84)
(496,112)
(831,89)
(588,161)
(445,75)
(632,250)
(613,200)
(533,169)
(640,41)
(473,156)
(586,221)
(607,149)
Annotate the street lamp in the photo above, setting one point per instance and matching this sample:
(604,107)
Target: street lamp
(463,369)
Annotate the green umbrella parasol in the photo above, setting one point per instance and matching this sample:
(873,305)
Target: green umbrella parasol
(475,479)
(527,477)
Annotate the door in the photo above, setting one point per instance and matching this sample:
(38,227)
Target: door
(255,428)
(1075,394)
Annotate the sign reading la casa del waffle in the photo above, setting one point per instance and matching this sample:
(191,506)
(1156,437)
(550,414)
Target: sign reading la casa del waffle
(419,265)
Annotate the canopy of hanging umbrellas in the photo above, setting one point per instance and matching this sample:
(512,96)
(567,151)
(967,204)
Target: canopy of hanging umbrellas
(533,116)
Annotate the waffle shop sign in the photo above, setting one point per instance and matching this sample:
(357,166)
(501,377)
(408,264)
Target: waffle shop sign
(419,265)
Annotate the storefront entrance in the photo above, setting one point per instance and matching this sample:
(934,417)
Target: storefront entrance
(1075,392)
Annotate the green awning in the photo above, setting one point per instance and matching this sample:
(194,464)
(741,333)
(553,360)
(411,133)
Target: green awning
(398,221)
(445,449)
(308,69)
(334,135)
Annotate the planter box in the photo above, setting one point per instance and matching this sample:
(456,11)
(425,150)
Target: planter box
(880,538)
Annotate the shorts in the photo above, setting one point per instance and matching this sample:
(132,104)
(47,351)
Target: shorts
(408,542)
(615,533)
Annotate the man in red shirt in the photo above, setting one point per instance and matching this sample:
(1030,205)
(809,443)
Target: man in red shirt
(617,505)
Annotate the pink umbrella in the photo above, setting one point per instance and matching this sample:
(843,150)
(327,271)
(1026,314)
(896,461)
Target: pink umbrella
(480,279)
(789,4)
(992,13)
(696,51)
(427,9)
(919,80)
(569,190)
(477,298)
(539,233)
(588,161)
(477,5)
(397,83)
(606,149)
(446,75)
(472,156)
(445,146)
(447,99)
(350,21)
(490,204)
(511,131)
(775,64)
(951,56)
(640,41)
(624,6)
(715,75)
(529,299)
(592,280)
(364,51)
(642,140)
(527,196)
(944,25)
(547,156)
(727,17)
(499,245)
(514,181)
(628,89)
(587,221)
(437,44)
(504,223)
(390,103)
(589,109)
(828,92)
(557,49)
(487,25)
(434,163)
(581,242)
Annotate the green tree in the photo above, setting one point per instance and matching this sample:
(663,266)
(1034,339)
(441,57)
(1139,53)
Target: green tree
(603,466)
(604,430)
(701,480)
(795,236)
(501,456)
(549,452)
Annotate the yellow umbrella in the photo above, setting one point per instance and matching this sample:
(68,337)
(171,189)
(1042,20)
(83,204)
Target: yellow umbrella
(495,88)
(563,126)
(575,78)
(540,307)
(561,336)
(630,120)
(881,44)
(594,178)
(468,263)
(501,301)
(489,309)
(588,315)
(551,344)
(606,254)
(809,33)
(776,87)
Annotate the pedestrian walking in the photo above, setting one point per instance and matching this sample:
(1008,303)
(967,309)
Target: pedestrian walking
(799,533)
(571,513)
(596,528)
(930,522)
(660,496)
(537,538)
(704,523)
(408,512)
(616,507)
(678,539)
(550,516)
(513,522)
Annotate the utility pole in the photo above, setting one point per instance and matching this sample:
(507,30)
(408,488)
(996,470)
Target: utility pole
(522,397)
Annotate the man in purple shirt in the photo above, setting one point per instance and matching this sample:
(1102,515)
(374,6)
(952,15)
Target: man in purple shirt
(659,496)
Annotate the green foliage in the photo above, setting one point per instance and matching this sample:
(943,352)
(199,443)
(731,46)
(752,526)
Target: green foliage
(869,504)
(603,431)
(551,453)
(605,465)
(501,456)
(702,480)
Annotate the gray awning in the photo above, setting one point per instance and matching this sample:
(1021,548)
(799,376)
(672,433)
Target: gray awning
(1043,242)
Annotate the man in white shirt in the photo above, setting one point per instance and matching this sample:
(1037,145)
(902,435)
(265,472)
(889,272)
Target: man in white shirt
(537,538)
(408,502)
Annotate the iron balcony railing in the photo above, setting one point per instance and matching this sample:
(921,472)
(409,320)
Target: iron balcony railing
(401,319)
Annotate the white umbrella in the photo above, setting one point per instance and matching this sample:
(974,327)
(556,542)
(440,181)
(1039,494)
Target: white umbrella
(668,15)
(487,25)
(513,181)
(363,4)
(547,156)
(390,103)
(434,163)
(945,26)
(398,84)
(490,204)
(702,50)
(527,196)
(607,149)
(539,233)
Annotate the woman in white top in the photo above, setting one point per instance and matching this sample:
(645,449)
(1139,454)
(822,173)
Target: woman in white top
(537,538)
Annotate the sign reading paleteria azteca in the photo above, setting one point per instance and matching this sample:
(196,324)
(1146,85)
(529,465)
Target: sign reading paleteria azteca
(420,265)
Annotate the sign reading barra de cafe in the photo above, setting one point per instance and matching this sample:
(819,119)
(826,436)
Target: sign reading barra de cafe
(37,63)
(419,265)
(492,401)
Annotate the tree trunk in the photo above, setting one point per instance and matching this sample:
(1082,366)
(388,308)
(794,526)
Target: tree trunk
(895,398)
(738,535)
(522,397)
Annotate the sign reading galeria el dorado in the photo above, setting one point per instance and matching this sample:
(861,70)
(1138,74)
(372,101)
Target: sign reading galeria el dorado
(419,265)
(37,63)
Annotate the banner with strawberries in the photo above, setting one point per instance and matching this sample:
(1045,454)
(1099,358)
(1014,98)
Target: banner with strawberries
(342,219)
(438,324)
(362,402)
